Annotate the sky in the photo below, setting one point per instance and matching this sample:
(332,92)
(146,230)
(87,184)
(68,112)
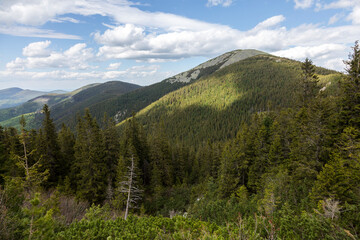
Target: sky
(51,44)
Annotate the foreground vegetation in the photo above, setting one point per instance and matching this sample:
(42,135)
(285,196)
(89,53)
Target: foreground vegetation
(286,174)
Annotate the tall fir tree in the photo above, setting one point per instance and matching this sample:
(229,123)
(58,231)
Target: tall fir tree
(112,148)
(50,150)
(350,102)
(133,142)
(309,82)
(90,167)
(66,141)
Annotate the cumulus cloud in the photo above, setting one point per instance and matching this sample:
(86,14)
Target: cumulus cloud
(142,44)
(39,57)
(37,49)
(325,55)
(224,3)
(121,35)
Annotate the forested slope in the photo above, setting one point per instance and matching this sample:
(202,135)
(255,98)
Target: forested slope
(212,108)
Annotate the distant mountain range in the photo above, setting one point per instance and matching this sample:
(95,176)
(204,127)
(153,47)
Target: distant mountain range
(206,102)
(12,97)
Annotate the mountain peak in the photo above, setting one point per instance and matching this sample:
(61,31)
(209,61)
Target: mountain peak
(213,65)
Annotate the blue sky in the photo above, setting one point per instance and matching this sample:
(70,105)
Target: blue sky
(52,44)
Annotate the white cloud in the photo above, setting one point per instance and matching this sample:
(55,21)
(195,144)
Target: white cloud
(303,3)
(354,16)
(22,31)
(269,35)
(120,36)
(65,19)
(37,49)
(353,6)
(39,57)
(325,55)
(270,22)
(114,66)
(146,73)
(224,3)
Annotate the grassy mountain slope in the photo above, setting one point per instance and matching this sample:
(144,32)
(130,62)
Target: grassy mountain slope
(213,107)
(11,97)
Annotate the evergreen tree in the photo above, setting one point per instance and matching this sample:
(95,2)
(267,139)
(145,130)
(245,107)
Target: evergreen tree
(112,145)
(133,143)
(66,141)
(90,167)
(50,150)
(309,82)
(3,155)
(161,159)
(350,102)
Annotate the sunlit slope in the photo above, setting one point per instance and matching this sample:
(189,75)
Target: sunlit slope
(213,107)
(123,106)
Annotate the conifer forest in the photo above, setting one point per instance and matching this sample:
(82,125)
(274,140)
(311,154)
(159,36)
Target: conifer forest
(258,170)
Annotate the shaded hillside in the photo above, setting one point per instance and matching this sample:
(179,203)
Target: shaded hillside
(213,107)
(64,105)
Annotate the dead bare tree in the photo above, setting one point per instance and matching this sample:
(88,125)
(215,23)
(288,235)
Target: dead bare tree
(130,187)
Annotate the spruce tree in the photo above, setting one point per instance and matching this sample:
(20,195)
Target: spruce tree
(309,82)
(50,150)
(350,102)
(90,167)
(112,149)
(66,141)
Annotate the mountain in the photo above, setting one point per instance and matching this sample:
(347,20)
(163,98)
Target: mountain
(123,106)
(119,106)
(62,105)
(217,94)
(213,107)
(12,97)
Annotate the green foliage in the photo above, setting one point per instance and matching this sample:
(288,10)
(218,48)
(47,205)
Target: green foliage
(90,167)
(143,228)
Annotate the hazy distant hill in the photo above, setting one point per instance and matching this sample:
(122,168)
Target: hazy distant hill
(11,97)
(64,104)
